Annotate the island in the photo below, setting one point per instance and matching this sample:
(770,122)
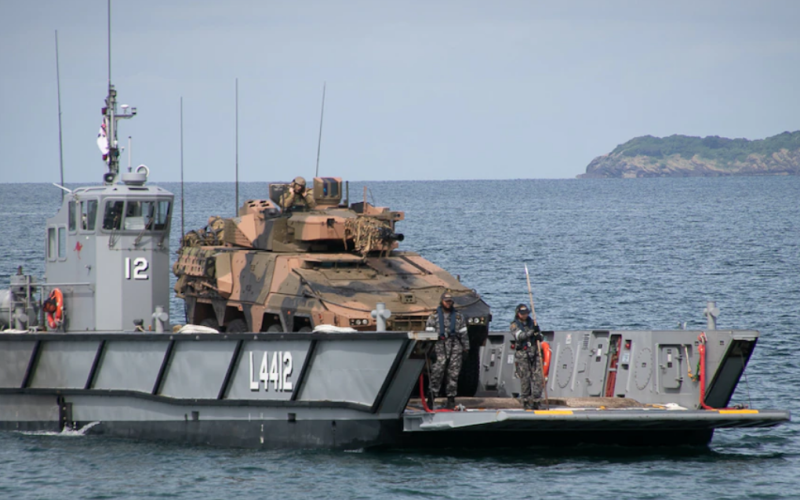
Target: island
(712,156)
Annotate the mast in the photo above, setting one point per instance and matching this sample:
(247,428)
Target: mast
(110,117)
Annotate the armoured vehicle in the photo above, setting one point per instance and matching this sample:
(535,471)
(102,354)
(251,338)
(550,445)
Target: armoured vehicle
(269,270)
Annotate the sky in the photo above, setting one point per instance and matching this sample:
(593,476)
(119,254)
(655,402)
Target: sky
(415,90)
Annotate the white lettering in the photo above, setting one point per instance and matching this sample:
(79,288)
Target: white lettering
(274,376)
(263,375)
(278,372)
(139,269)
(253,383)
(140,266)
(287,371)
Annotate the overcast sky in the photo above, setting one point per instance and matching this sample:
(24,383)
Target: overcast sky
(450,89)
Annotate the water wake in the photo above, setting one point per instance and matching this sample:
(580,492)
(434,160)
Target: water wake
(66,432)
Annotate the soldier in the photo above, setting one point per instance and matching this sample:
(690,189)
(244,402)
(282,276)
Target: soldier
(526,356)
(453,344)
(297,195)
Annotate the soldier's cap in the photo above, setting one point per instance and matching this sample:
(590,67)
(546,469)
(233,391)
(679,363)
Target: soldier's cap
(522,308)
(299,181)
(446,296)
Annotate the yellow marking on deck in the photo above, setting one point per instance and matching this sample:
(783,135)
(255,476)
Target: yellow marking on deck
(552,412)
(737,412)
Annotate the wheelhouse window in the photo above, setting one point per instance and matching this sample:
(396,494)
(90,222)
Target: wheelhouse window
(73,225)
(51,243)
(62,242)
(138,215)
(161,216)
(112,218)
(88,214)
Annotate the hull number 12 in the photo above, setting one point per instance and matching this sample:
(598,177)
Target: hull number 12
(138,270)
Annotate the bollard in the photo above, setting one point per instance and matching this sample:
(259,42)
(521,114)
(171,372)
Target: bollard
(711,311)
(159,319)
(381,314)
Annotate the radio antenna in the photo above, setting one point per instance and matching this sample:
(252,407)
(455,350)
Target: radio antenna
(60,143)
(236,211)
(182,197)
(321,116)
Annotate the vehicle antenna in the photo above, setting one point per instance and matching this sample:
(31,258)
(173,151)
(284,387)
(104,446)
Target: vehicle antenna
(182,197)
(236,211)
(538,344)
(321,115)
(60,144)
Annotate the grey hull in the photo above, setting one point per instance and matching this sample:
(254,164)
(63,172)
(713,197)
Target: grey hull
(348,391)
(349,435)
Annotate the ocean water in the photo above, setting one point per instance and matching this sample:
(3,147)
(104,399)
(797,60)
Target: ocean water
(622,254)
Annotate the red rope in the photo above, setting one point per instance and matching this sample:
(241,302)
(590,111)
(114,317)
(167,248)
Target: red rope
(701,350)
(425,403)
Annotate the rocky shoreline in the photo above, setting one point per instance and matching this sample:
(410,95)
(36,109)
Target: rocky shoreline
(681,156)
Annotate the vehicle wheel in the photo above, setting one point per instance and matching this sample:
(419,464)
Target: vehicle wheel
(211,323)
(470,374)
(275,328)
(237,326)
(305,329)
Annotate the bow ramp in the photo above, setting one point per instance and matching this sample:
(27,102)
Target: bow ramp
(653,425)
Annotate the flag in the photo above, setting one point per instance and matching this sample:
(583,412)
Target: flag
(102,140)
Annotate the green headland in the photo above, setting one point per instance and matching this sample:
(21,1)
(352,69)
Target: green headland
(684,156)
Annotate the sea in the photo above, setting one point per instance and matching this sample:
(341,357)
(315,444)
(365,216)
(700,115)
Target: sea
(602,253)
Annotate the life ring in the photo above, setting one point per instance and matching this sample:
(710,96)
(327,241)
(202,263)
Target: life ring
(546,353)
(54,307)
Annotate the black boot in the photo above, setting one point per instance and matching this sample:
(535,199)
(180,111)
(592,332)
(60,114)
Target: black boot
(451,403)
(430,401)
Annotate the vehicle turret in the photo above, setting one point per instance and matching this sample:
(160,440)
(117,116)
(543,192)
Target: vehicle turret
(329,227)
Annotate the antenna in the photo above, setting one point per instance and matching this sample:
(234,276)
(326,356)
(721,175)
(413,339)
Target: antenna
(124,107)
(236,211)
(110,117)
(321,115)
(62,187)
(109,44)
(60,143)
(182,212)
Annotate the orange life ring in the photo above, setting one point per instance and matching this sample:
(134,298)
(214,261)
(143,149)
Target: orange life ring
(54,307)
(546,353)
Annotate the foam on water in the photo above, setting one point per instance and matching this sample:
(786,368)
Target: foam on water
(66,432)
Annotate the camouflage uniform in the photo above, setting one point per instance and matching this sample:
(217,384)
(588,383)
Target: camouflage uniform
(290,199)
(527,361)
(450,349)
